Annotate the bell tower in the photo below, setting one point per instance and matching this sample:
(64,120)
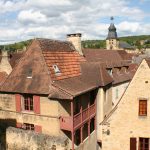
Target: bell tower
(112,42)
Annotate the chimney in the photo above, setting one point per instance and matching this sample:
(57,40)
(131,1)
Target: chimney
(75,39)
(4,64)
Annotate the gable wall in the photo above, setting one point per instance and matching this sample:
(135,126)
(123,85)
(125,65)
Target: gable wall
(125,121)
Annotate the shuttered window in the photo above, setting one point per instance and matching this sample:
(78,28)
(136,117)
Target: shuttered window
(142,107)
(28,102)
(28,126)
(144,144)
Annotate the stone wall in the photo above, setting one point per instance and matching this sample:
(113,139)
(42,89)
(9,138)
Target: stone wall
(125,122)
(120,88)
(18,139)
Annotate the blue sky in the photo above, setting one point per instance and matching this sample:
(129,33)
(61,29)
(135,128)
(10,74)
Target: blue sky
(26,19)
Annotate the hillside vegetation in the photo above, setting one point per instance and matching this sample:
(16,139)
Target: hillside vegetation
(132,40)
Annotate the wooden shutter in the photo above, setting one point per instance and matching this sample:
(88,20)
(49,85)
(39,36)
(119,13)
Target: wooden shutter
(132,143)
(36,104)
(38,129)
(19,125)
(18,102)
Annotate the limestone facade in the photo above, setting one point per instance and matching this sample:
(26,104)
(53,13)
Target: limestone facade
(124,121)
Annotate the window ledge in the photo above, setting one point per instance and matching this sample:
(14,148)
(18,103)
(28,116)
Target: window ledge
(28,112)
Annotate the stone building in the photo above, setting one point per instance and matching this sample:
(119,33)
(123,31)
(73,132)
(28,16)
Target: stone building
(113,43)
(59,89)
(127,126)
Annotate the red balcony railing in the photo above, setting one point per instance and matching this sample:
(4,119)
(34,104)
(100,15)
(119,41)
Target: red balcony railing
(69,123)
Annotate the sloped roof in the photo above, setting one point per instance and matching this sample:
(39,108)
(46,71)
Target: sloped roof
(35,74)
(93,76)
(14,58)
(30,75)
(101,55)
(125,45)
(112,34)
(68,63)
(55,45)
(3,76)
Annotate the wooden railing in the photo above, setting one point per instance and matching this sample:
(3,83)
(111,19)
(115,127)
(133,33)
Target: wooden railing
(69,123)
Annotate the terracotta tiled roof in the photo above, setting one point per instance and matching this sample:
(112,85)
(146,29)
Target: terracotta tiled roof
(126,56)
(14,58)
(3,76)
(68,64)
(93,76)
(55,45)
(99,55)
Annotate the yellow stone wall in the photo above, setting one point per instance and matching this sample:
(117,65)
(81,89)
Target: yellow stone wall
(124,122)
(48,118)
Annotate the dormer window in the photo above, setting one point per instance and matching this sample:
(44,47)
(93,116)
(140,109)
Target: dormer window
(109,71)
(56,70)
(29,73)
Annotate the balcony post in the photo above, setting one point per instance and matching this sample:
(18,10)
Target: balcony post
(88,110)
(81,134)
(72,134)
(72,128)
(89,128)
(81,111)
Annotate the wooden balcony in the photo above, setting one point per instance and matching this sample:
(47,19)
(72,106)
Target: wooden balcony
(73,123)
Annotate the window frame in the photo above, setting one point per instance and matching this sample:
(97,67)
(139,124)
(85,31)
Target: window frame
(28,103)
(143,112)
(143,142)
(28,126)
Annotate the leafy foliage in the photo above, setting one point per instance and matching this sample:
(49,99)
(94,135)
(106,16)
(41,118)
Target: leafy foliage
(132,40)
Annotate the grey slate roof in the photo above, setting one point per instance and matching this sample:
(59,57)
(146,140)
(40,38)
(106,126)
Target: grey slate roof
(112,34)
(125,45)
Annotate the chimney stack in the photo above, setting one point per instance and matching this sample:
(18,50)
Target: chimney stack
(75,39)
(4,64)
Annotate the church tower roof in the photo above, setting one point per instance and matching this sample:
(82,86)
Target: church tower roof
(112,34)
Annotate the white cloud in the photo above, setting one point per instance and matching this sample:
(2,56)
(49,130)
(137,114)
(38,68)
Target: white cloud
(54,19)
(30,16)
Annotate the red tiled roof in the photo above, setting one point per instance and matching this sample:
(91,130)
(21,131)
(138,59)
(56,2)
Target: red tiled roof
(126,56)
(3,76)
(93,76)
(14,58)
(55,45)
(100,55)
(67,62)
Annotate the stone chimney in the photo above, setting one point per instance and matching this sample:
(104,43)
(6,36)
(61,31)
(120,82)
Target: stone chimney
(4,64)
(75,39)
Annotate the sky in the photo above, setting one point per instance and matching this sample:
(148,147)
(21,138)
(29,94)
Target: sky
(27,19)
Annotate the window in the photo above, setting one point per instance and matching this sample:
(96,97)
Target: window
(117,93)
(56,69)
(28,126)
(109,71)
(144,144)
(142,107)
(28,102)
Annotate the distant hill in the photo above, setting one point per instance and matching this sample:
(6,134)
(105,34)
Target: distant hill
(132,40)
(16,46)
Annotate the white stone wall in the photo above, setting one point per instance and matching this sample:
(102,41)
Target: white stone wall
(117,91)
